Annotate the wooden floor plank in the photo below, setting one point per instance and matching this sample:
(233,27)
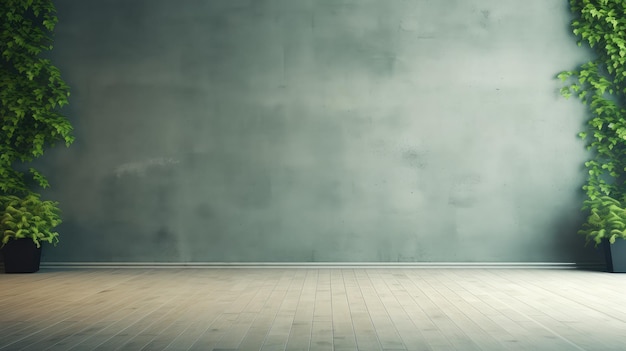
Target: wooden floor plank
(337,309)
(301,329)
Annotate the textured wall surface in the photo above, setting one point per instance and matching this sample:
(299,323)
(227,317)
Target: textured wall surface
(318,130)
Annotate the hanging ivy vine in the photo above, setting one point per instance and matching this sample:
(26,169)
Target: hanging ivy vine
(31,93)
(600,84)
(31,90)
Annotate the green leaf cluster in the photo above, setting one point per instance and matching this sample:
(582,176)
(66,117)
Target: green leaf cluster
(31,95)
(28,217)
(600,84)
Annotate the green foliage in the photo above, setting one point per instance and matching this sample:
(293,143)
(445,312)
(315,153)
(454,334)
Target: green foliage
(601,85)
(607,219)
(28,217)
(31,91)
(31,94)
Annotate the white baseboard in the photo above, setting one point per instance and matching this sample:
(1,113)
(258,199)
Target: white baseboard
(482,265)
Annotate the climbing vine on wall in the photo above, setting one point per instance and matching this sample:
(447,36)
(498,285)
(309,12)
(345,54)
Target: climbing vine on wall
(600,84)
(31,90)
(31,93)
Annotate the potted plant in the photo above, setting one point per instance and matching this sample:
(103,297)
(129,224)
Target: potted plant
(26,222)
(31,92)
(606,225)
(601,85)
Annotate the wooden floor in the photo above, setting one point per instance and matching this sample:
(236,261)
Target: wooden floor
(313,309)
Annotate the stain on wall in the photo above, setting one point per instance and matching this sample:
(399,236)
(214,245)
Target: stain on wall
(318,130)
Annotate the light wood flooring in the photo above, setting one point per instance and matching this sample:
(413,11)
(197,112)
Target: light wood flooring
(312,309)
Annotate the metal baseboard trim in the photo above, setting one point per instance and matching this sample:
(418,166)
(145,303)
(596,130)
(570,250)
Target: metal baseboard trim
(481,265)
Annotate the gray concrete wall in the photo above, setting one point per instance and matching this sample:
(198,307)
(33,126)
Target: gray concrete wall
(318,130)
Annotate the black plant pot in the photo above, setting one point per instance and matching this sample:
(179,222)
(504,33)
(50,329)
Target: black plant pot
(21,256)
(615,256)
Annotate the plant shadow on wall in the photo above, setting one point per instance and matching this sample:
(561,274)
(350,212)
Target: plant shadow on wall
(601,85)
(31,93)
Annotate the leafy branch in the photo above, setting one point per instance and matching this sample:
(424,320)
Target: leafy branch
(31,91)
(600,84)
